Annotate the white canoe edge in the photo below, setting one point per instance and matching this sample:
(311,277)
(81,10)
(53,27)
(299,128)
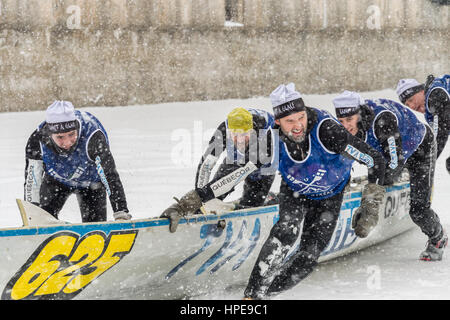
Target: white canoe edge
(141,259)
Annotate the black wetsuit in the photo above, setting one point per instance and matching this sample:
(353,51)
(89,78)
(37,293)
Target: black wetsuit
(420,165)
(270,274)
(438,106)
(92,199)
(258,183)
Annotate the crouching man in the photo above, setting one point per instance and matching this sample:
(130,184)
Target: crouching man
(246,137)
(433,100)
(68,154)
(405,142)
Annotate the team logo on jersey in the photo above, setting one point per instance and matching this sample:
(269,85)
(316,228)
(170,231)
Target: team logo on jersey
(312,187)
(102,175)
(76,174)
(360,156)
(226,183)
(393,152)
(435,125)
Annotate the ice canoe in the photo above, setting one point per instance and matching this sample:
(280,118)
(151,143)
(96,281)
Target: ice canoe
(141,259)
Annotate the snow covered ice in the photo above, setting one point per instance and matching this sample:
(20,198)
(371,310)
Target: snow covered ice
(157,149)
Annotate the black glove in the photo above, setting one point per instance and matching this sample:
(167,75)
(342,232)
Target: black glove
(365,217)
(174,214)
(187,205)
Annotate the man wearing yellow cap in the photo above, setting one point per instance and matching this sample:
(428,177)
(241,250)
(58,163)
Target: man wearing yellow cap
(247,138)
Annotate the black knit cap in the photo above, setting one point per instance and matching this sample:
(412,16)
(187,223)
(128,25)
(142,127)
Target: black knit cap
(288,108)
(408,93)
(62,127)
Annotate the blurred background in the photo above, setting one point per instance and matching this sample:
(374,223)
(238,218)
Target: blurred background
(134,52)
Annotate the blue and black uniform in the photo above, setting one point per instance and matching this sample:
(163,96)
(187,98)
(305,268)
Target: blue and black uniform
(87,170)
(437,110)
(405,142)
(314,174)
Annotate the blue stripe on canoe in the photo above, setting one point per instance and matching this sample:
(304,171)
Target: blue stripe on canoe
(107,227)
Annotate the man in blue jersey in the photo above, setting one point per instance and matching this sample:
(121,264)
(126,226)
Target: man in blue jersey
(68,154)
(246,138)
(405,142)
(433,100)
(315,159)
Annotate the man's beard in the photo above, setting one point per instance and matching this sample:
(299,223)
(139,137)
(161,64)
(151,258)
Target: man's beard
(297,139)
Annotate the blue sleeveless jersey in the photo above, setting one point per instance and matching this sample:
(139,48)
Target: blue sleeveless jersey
(322,174)
(76,169)
(412,131)
(442,82)
(233,153)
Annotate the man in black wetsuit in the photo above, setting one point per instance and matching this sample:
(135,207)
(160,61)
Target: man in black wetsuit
(405,142)
(316,154)
(68,154)
(247,138)
(245,135)
(433,100)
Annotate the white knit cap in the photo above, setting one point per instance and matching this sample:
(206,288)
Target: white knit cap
(405,84)
(286,101)
(347,103)
(283,94)
(407,88)
(60,111)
